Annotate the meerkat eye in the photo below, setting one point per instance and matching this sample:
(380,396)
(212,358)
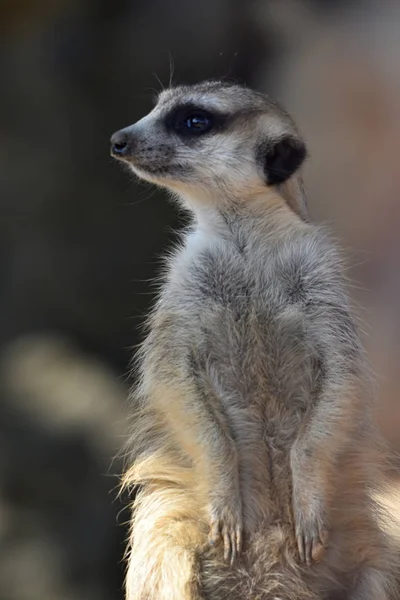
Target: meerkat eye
(198,122)
(192,122)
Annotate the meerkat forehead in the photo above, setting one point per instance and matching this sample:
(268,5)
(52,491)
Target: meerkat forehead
(228,98)
(215,94)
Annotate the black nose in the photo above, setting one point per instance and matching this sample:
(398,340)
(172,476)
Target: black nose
(119,143)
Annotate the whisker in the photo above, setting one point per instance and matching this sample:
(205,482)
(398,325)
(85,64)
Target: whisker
(159,81)
(171,68)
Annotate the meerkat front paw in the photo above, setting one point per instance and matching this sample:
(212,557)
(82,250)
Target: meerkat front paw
(311,529)
(227,526)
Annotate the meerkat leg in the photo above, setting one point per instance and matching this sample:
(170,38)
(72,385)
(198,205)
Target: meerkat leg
(200,429)
(314,461)
(309,510)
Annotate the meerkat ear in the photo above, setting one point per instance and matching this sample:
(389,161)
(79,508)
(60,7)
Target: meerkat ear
(282,158)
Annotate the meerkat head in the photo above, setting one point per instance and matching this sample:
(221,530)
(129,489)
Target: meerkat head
(214,140)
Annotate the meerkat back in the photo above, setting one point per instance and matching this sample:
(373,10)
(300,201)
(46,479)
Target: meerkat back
(252,441)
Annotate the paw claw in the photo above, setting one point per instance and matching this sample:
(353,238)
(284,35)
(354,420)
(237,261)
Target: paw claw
(312,538)
(317,551)
(227,527)
(324,535)
(228,550)
(300,547)
(239,539)
(214,535)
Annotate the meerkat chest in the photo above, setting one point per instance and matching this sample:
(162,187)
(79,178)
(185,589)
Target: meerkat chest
(245,319)
(234,275)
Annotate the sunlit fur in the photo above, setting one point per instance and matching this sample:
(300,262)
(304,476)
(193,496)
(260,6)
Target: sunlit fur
(253,401)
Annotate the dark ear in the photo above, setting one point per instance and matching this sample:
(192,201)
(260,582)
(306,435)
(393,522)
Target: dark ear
(282,159)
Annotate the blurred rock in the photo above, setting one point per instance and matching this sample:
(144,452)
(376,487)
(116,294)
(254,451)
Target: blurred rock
(62,423)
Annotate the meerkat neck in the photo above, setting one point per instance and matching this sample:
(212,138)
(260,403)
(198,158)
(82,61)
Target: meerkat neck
(266,208)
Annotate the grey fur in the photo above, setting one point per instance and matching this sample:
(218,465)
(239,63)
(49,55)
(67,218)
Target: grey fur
(252,416)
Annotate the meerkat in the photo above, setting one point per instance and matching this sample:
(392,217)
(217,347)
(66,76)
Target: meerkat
(252,442)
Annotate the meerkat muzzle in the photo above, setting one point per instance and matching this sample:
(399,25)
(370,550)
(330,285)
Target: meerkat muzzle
(123,143)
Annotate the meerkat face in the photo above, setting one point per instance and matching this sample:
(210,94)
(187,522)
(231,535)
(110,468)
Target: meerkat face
(212,137)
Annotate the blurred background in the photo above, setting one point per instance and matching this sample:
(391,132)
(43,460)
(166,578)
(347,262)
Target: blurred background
(79,239)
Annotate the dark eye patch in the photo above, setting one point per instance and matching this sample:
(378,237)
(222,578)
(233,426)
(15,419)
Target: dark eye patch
(191,120)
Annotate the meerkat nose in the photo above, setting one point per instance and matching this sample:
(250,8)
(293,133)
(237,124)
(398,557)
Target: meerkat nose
(119,143)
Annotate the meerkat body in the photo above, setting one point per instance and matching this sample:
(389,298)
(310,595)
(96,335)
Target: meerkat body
(252,442)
